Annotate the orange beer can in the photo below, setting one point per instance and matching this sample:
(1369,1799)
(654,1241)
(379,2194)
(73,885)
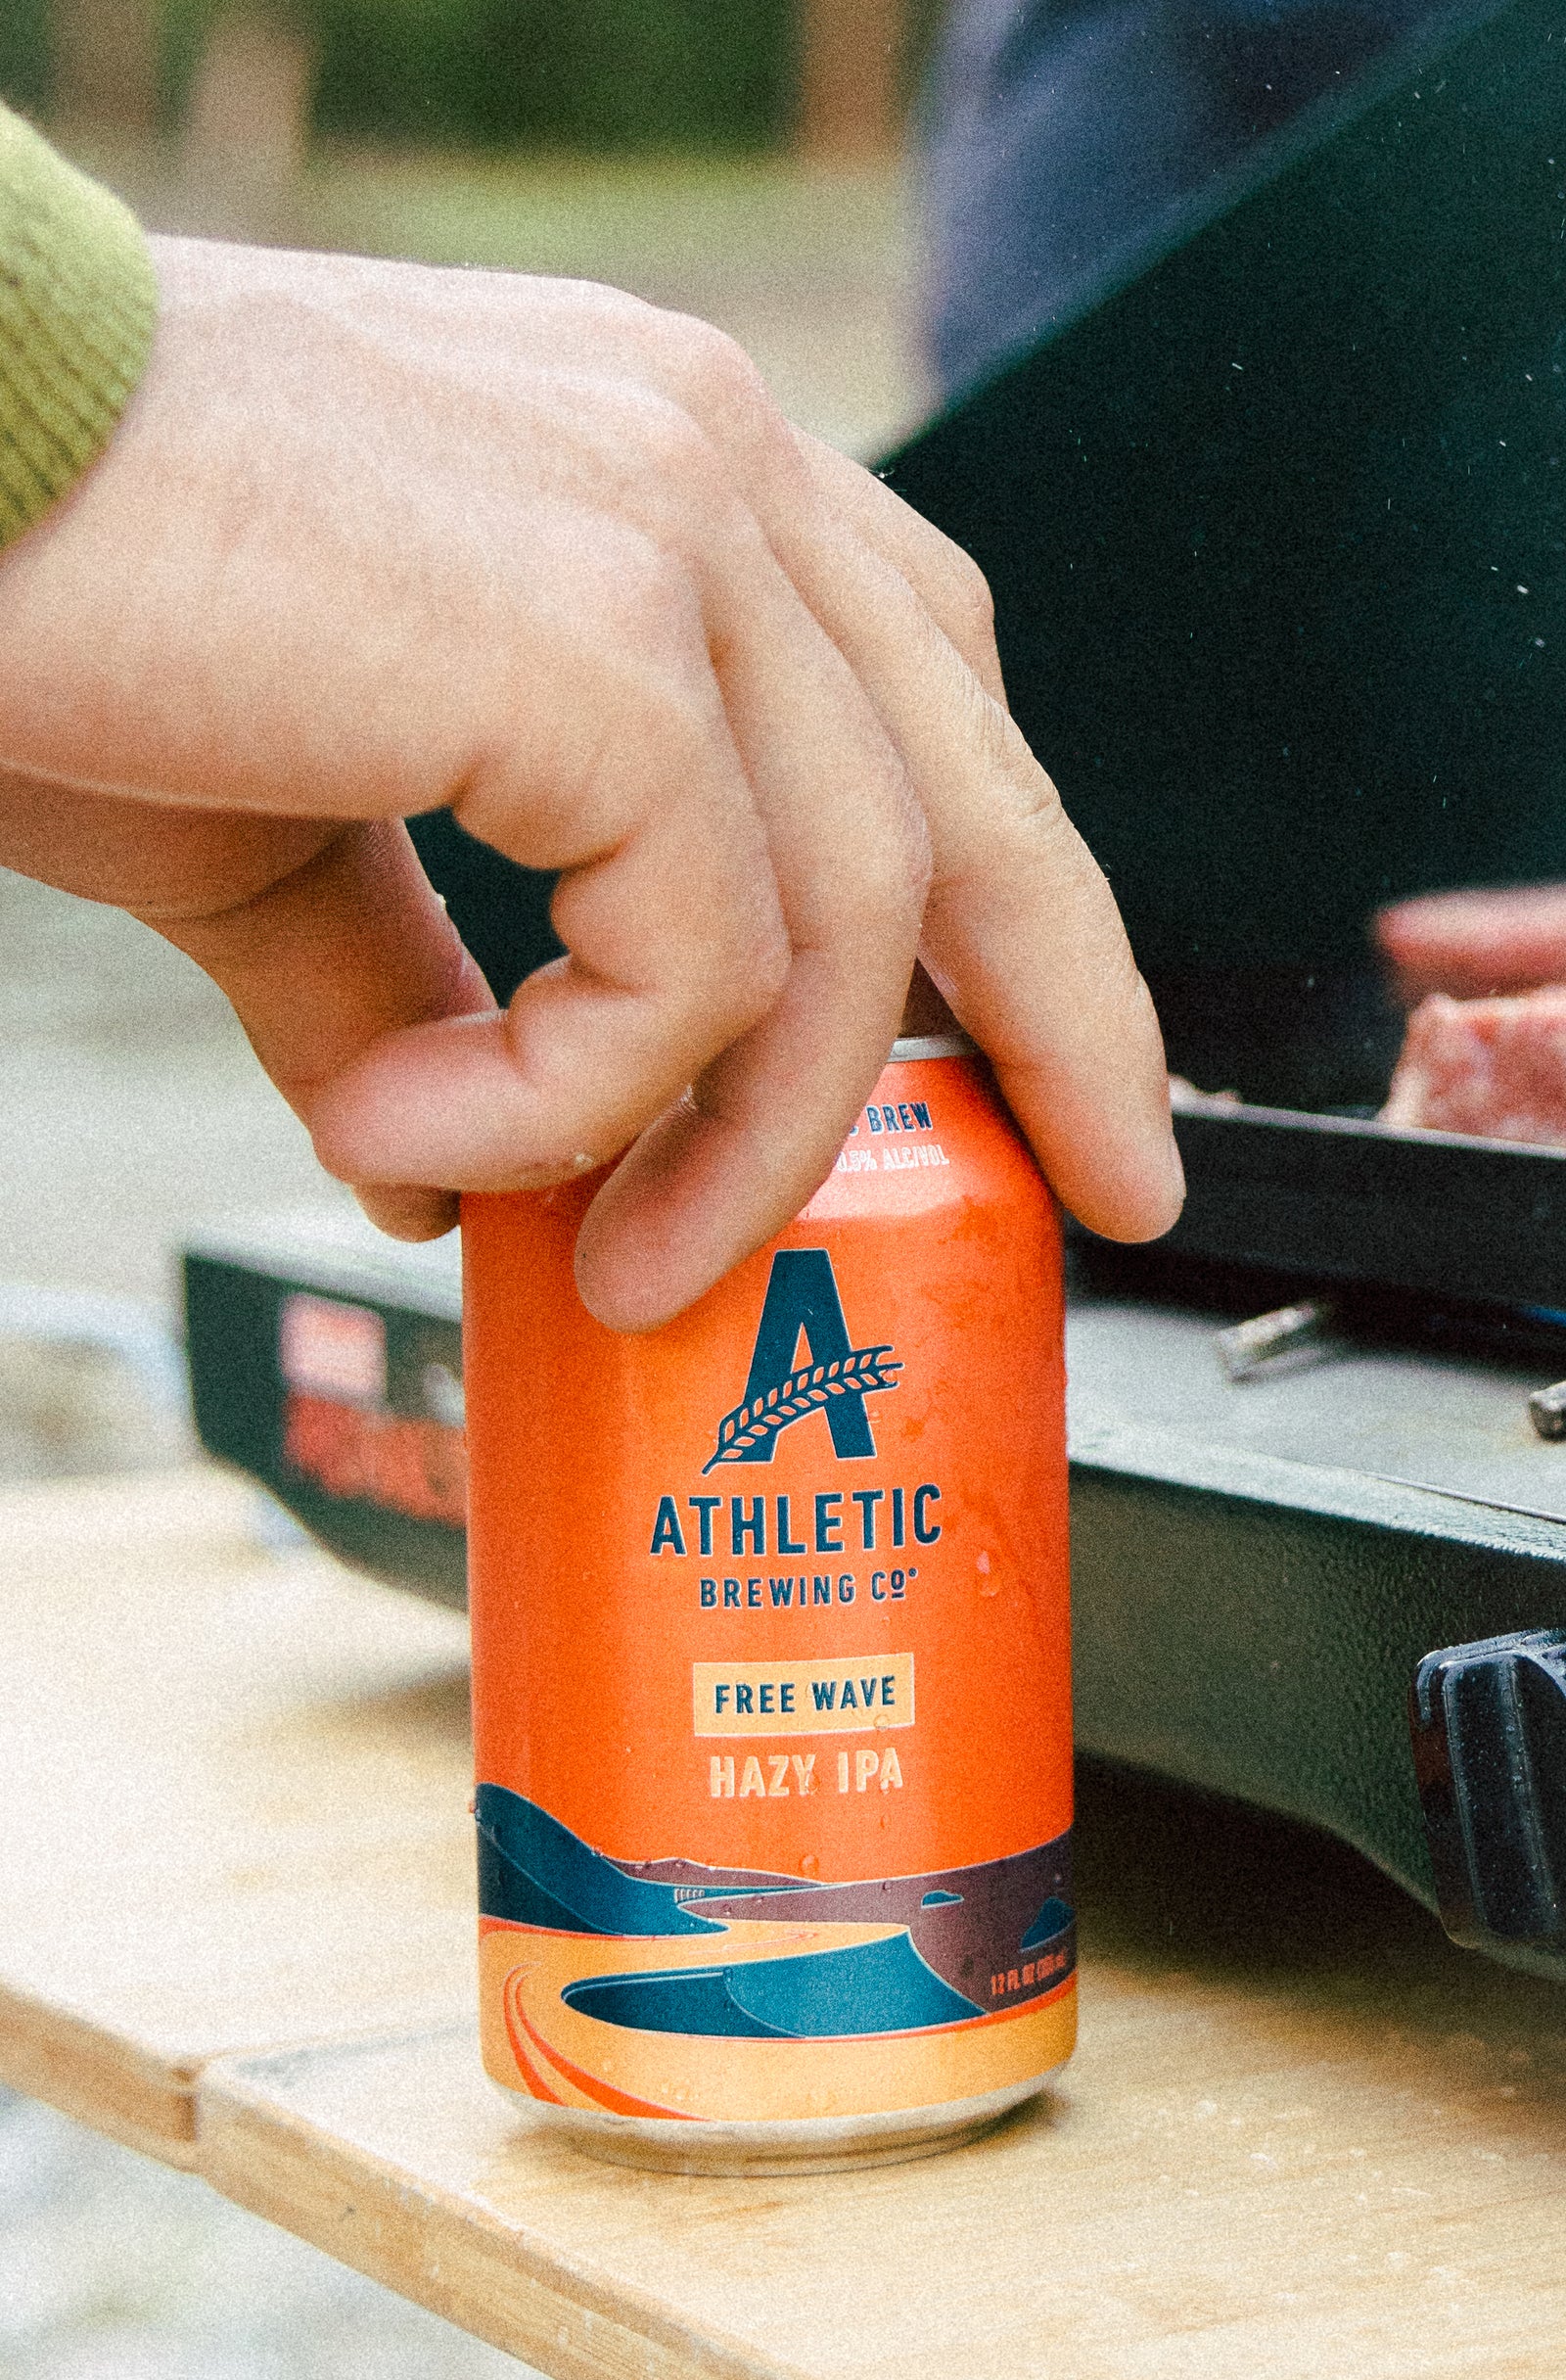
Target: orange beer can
(772,1662)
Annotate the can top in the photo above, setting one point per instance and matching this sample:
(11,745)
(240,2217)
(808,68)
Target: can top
(931,1045)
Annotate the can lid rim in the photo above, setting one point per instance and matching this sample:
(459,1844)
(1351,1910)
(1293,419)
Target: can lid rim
(931,1045)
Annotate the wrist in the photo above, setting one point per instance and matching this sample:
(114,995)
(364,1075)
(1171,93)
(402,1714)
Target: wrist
(78,309)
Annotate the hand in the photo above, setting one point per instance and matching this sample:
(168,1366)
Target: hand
(372,539)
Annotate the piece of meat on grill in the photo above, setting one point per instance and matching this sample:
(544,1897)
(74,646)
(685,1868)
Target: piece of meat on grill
(1493,1067)
(1475,943)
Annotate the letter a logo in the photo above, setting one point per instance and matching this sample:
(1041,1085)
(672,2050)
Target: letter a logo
(803,1302)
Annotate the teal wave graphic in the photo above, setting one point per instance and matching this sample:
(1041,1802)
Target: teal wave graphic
(1052,1919)
(868,1988)
(694,2000)
(532,1871)
(955,1932)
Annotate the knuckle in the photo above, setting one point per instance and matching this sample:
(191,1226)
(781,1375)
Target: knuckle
(714,368)
(1009,784)
(611,309)
(967,593)
(892,884)
(950,580)
(956,589)
(673,723)
(1016,823)
(647,605)
(758,963)
(734,963)
(773,960)
(1037,809)
(673,448)
(727,393)
(1020,790)
(908,841)
(916,869)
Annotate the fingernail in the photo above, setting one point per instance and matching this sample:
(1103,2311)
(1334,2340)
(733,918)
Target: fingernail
(550,1173)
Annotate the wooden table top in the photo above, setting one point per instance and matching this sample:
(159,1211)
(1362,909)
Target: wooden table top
(1303,2134)
(235,1799)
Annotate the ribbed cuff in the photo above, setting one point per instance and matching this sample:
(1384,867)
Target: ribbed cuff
(77,306)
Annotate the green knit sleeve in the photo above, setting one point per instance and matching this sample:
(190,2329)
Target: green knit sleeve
(77,303)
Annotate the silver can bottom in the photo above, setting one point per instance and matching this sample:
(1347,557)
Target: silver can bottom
(830,2144)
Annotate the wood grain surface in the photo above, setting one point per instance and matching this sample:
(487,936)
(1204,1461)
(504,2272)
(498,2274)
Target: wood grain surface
(1303,2135)
(1303,2132)
(235,1804)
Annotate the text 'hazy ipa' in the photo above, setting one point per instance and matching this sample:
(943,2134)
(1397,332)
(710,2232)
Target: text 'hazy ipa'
(772,1677)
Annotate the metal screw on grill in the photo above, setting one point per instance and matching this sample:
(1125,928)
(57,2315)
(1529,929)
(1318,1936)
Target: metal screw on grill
(1547,1410)
(1247,1346)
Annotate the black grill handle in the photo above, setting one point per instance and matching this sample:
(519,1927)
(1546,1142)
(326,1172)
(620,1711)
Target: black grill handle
(1488,1727)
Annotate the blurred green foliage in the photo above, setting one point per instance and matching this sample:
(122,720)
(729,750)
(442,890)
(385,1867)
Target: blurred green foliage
(588,73)
(25,51)
(585,75)
(605,75)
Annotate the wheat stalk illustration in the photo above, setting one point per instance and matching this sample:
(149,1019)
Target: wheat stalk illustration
(803,1392)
